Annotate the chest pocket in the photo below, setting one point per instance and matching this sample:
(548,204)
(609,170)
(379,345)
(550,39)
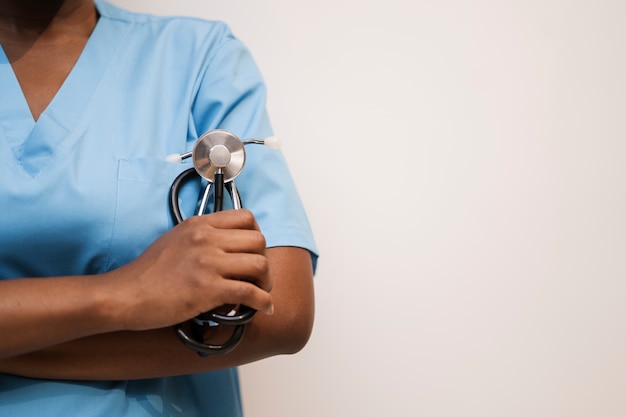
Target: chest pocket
(142,211)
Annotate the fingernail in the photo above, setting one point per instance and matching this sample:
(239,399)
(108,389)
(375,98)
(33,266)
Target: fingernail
(270,310)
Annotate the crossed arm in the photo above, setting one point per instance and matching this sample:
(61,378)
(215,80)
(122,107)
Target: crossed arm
(119,325)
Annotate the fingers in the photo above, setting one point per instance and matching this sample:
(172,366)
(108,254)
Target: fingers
(239,241)
(234,231)
(246,267)
(202,263)
(241,292)
(230,219)
(240,257)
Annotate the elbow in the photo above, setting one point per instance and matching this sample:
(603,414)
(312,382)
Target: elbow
(292,325)
(289,328)
(297,332)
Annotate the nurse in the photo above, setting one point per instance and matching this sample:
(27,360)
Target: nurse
(93,275)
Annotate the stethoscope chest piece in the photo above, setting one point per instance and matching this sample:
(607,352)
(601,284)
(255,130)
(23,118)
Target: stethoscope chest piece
(218,150)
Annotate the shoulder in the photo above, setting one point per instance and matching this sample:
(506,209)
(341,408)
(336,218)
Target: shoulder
(192,30)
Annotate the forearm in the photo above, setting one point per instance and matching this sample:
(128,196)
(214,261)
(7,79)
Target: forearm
(134,355)
(186,271)
(36,313)
(157,353)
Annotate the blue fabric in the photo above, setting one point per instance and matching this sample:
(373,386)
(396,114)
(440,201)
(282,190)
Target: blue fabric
(84,189)
(210,394)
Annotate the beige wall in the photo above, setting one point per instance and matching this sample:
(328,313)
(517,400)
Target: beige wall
(463,164)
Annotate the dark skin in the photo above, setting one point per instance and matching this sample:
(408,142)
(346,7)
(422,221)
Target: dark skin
(125,317)
(51,32)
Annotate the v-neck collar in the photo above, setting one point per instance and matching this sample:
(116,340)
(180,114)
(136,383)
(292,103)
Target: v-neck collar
(34,143)
(16,121)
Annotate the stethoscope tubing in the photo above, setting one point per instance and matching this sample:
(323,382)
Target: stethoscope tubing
(238,316)
(204,349)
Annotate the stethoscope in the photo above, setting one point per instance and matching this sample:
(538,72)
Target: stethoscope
(218,157)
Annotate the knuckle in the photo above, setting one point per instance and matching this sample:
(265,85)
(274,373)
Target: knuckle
(258,239)
(204,264)
(244,291)
(198,230)
(193,221)
(246,216)
(196,236)
(261,265)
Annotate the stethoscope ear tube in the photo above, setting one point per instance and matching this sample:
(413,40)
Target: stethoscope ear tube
(182,179)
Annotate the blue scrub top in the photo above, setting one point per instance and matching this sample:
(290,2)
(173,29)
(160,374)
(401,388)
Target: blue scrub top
(85,186)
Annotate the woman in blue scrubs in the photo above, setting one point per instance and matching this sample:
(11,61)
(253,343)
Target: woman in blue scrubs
(93,275)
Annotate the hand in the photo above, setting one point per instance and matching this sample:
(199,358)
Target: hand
(203,263)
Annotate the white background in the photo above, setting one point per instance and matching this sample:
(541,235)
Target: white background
(462,163)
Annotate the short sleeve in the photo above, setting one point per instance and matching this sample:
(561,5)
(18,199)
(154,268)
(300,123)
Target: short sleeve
(232,96)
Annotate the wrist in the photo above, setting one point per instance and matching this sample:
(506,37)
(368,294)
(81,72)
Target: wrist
(108,306)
